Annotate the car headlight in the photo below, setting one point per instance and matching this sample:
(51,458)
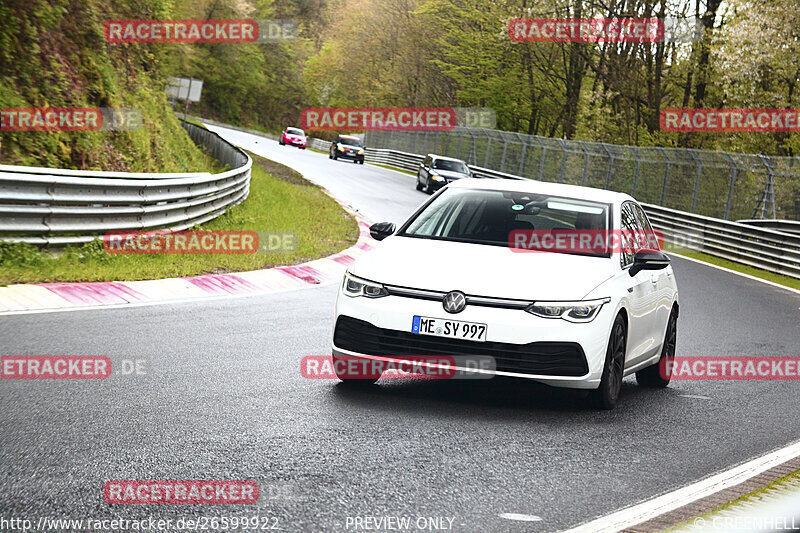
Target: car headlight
(354,286)
(361,152)
(436,177)
(582,311)
(340,148)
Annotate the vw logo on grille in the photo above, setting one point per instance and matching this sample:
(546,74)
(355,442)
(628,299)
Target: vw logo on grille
(454,302)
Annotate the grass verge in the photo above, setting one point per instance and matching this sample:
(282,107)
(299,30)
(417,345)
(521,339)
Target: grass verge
(280,200)
(395,169)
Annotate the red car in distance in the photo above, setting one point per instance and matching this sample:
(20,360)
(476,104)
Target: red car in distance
(294,137)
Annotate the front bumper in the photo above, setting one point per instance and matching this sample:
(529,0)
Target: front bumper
(350,155)
(295,142)
(550,351)
(436,185)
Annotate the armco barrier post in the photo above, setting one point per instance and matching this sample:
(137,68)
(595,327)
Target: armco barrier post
(522,155)
(666,176)
(505,149)
(541,161)
(610,165)
(734,173)
(636,171)
(488,148)
(768,195)
(698,173)
(585,161)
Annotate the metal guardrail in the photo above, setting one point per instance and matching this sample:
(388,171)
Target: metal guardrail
(53,206)
(762,248)
(314,143)
(784,226)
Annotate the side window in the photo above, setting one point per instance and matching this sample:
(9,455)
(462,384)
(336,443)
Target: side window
(427,161)
(650,240)
(629,228)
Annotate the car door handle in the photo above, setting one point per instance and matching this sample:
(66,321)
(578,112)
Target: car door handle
(630,289)
(654,280)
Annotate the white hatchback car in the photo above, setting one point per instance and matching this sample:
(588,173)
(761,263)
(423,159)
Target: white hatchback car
(450,281)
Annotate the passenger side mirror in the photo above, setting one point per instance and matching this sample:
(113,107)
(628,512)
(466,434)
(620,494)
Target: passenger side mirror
(648,260)
(381,230)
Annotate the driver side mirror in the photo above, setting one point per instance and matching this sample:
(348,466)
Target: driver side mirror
(381,230)
(648,260)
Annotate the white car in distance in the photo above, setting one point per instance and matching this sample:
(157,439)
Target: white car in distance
(565,317)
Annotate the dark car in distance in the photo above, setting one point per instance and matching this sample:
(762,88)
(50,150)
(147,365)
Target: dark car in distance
(347,147)
(436,171)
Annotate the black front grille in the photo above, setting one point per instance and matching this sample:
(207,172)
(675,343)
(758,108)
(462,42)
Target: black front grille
(543,358)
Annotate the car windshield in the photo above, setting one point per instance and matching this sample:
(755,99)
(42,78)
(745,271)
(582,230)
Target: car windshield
(294,131)
(446,164)
(490,217)
(349,142)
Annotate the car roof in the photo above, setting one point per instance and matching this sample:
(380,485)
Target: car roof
(435,156)
(349,137)
(542,187)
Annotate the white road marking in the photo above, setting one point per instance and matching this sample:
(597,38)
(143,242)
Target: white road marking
(665,503)
(697,396)
(520,517)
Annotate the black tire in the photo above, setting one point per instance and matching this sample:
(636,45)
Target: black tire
(350,381)
(330,155)
(355,161)
(361,162)
(302,147)
(429,186)
(335,156)
(281,143)
(607,394)
(419,185)
(652,376)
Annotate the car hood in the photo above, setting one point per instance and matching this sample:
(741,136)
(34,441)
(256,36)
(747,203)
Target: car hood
(450,174)
(482,270)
